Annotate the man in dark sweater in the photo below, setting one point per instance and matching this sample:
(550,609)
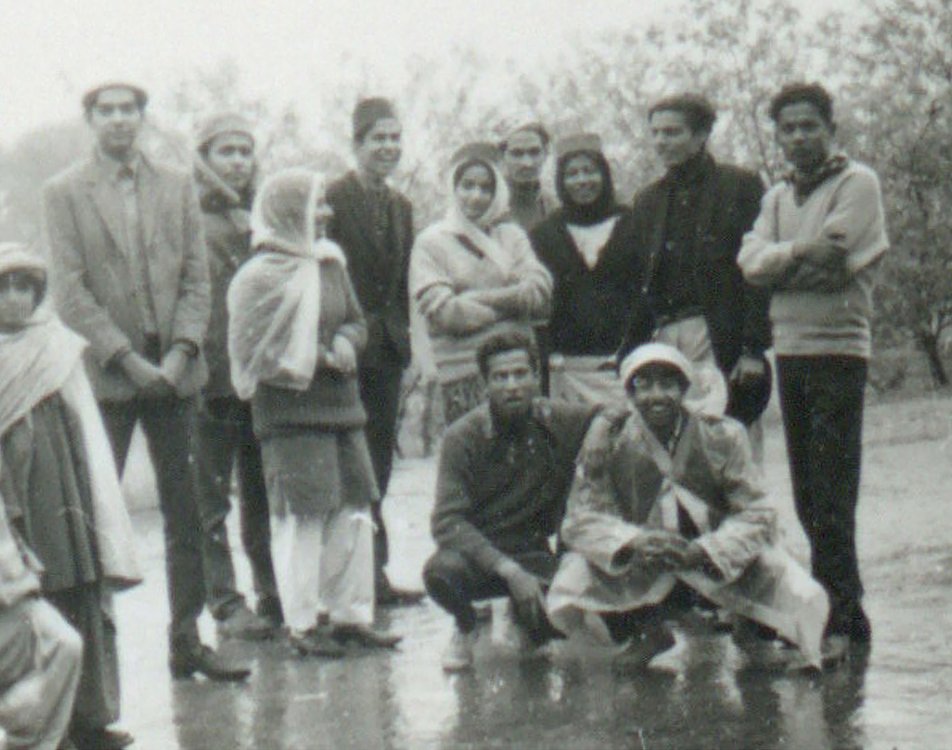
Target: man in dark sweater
(687,228)
(373,224)
(504,474)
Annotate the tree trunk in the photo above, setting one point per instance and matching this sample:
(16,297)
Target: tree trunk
(929,343)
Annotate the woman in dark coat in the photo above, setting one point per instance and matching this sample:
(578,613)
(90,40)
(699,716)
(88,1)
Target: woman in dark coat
(593,270)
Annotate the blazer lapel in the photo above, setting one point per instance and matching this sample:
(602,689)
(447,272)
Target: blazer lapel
(709,195)
(657,215)
(148,195)
(107,202)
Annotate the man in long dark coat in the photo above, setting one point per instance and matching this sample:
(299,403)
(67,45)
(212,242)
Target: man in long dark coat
(373,224)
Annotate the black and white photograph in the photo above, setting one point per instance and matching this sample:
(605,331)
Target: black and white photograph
(463,376)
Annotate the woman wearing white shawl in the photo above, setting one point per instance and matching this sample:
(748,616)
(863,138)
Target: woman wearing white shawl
(472,274)
(59,482)
(295,328)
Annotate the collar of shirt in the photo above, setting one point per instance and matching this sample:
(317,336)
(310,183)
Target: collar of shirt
(672,444)
(805,183)
(116,171)
(540,415)
(691,171)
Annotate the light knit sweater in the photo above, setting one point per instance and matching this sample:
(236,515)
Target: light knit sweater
(847,211)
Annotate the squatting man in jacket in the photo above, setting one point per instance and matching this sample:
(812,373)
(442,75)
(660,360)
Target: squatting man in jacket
(667,513)
(505,469)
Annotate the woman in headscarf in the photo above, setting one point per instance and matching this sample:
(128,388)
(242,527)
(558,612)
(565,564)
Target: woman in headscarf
(472,274)
(592,267)
(295,328)
(60,485)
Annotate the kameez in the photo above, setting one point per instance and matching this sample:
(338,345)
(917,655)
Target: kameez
(628,483)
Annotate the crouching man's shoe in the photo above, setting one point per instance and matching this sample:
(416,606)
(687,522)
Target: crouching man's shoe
(203,660)
(458,656)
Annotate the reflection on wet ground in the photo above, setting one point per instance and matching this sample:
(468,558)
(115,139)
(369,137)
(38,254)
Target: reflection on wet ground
(698,696)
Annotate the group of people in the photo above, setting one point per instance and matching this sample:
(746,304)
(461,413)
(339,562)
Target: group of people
(602,371)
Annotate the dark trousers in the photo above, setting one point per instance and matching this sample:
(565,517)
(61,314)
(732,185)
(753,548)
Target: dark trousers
(822,403)
(167,423)
(380,393)
(454,582)
(225,439)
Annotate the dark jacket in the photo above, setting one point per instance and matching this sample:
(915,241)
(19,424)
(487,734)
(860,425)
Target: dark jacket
(379,274)
(495,495)
(736,312)
(590,306)
(228,239)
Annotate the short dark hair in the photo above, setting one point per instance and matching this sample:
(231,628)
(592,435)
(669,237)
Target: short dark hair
(530,127)
(506,341)
(697,110)
(811,93)
(91,97)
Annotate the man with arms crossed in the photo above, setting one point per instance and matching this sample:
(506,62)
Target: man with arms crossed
(816,245)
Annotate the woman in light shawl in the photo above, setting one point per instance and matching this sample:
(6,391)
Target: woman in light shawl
(593,268)
(295,328)
(60,485)
(473,274)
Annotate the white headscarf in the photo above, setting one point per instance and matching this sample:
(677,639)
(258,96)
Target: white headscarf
(481,231)
(45,357)
(274,300)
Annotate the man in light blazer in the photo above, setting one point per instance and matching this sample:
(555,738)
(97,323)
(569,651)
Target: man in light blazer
(373,224)
(132,277)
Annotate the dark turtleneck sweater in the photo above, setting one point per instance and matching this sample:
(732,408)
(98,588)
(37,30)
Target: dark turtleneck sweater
(528,204)
(499,493)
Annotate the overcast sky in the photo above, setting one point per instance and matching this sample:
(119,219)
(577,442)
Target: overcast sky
(51,50)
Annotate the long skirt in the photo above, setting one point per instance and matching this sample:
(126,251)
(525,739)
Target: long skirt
(320,487)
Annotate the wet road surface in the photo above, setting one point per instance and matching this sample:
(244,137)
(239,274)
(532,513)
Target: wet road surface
(698,696)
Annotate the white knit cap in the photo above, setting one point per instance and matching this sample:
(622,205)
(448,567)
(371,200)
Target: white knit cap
(654,353)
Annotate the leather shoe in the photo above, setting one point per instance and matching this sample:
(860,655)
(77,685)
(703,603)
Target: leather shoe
(317,641)
(100,738)
(204,660)
(366,636)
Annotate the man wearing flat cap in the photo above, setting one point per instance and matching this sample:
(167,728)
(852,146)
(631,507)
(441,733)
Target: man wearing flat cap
(373,224)
(687,228)
(666,515)
(132,277)
(524,151)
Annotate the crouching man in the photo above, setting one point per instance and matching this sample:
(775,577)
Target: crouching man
(504,474)
(666,513)
(40,653)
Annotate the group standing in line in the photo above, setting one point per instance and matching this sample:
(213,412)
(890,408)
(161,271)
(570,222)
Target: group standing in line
(263,326)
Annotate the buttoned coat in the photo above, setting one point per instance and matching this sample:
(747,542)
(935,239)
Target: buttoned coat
(92,276)
(736,312)
(378,273)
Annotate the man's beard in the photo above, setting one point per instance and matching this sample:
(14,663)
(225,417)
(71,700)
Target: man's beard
(509,421)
